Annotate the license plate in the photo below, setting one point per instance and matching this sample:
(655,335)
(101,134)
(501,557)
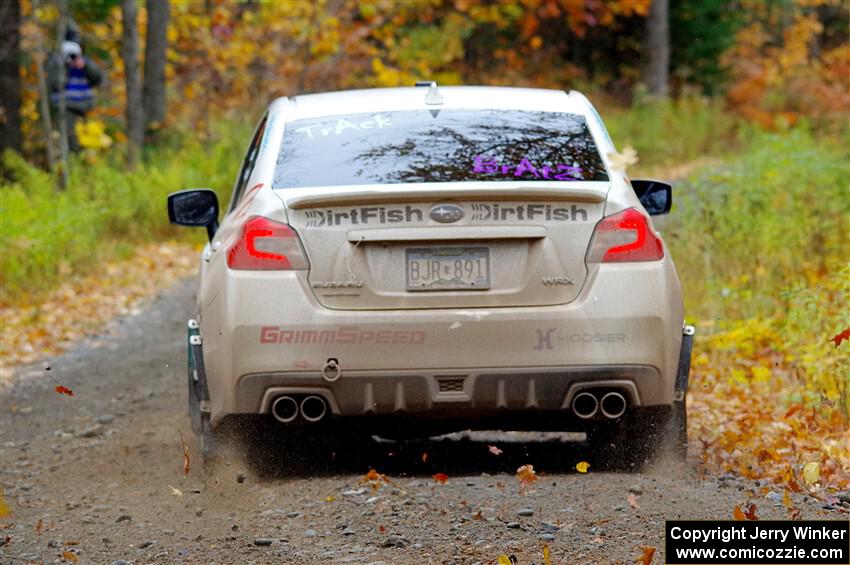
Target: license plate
(448,268)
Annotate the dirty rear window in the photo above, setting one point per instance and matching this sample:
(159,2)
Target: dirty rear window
(437,146)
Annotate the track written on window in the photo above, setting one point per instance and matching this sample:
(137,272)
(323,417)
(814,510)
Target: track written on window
(417,146)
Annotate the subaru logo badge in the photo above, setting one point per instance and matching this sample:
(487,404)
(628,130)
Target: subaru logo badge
(446,213)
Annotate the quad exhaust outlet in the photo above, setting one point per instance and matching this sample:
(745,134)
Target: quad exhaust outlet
(610,404)
(585,405)
(313,408)
(613,405)
(285,409)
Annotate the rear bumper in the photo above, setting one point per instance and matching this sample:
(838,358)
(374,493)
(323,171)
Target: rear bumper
(449,393)
(265,335)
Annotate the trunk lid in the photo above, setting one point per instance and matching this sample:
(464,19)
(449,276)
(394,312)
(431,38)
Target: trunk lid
(448,247)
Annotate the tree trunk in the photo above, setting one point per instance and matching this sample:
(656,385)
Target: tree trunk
(10,76)
(657,53)
(155,58)
(44,100)
(135,112)
(62,114)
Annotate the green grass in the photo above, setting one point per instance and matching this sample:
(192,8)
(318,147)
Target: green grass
(47,233)
(772,218)
(669,132)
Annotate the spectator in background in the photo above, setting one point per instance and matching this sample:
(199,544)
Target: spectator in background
(72,76)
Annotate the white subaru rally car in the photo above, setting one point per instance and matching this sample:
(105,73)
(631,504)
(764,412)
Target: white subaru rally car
(414,261)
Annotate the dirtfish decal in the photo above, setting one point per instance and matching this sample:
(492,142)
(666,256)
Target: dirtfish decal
(505,212)
(481,213)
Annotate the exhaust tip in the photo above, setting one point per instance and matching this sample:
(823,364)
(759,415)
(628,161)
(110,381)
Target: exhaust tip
(314,408)
(285,409)
(585,405)
(613,405)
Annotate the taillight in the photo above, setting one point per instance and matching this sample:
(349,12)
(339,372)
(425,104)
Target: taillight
(624,237)
(266,245)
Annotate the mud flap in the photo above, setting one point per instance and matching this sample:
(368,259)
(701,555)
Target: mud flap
(199,395)
(684,370)
(678,431)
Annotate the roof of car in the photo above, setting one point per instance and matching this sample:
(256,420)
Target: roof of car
(412,98)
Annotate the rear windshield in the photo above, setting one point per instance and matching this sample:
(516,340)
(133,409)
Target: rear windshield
(437,146)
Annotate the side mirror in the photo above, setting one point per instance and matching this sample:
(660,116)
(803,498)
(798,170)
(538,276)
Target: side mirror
(656,196)
(194,207)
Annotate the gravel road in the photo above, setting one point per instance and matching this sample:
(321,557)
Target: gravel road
(100,475)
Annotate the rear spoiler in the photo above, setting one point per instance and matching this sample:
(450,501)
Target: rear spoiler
(595,191)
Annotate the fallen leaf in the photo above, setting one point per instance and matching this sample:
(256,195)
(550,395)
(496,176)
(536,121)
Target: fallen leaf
(547,557)
(70,556)
(646,555)
(795,514)
(70,543)
(477,516)
(526,474)
(633,501)
(381,529)
(66,314)
(6,541)
(375,479)
(330,498)
(175,491)
(624,159)
(185,449)
(750,514)
(824,401)
(838,338)
(582,466)
(39,526)
(441,478)
(811,472)
(738,514)
(494,450)
(64,390)
(4,508)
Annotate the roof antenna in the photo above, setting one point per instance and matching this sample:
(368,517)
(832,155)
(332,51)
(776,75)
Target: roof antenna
(433,97)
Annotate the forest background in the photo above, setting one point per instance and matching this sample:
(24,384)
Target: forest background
(743,103)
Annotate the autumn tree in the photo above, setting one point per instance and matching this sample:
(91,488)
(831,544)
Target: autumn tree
(156,47)
(135,112)
(10,78)
(657,65)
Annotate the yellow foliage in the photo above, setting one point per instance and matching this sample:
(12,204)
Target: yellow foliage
(4,508)
(92,134)
(811,472)
(777,75)
(770,398)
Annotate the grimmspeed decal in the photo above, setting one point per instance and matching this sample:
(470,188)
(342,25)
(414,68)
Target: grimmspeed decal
(481,212)
(340,335)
